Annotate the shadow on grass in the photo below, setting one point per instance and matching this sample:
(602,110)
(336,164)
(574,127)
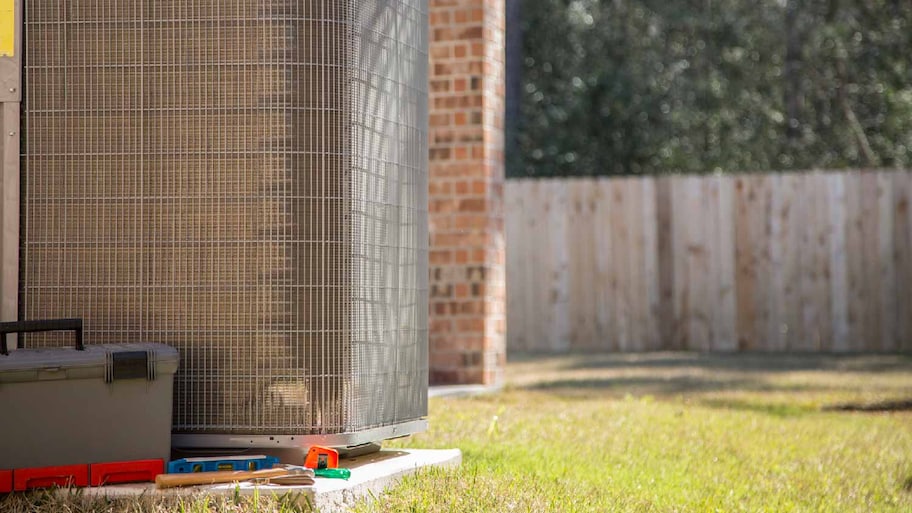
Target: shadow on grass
(745,362)
(773,409)
(907,485)
(659,386)
(741,382)
(883,406)
(673,385)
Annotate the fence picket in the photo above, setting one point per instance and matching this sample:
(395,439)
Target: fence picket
(839,267)
(886,278)
(902,258)
(650,256)
(516,224)
(796,262)
(727,315)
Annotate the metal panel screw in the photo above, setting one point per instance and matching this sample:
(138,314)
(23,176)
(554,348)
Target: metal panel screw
(12,89)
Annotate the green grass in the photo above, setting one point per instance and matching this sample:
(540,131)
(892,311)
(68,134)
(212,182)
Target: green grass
(74,501)
(660,432)
(675,433)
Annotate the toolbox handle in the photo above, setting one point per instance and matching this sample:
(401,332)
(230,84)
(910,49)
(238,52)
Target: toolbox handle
(40,325)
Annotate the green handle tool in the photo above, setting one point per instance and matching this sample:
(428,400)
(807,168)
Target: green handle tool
(336,473)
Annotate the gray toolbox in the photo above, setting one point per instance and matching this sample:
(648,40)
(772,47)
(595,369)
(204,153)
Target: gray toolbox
(85,404)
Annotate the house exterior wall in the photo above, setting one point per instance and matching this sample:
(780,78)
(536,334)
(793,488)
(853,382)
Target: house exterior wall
(467,254)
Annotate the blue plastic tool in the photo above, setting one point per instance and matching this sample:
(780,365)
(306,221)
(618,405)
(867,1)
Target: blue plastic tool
(213,464)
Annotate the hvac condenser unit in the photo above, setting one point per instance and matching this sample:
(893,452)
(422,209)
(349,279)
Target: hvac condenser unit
(244,180)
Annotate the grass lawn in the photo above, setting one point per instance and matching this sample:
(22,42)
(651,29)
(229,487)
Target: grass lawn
(660,432)
(674,432)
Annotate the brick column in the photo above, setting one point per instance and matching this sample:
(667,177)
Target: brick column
(467,296)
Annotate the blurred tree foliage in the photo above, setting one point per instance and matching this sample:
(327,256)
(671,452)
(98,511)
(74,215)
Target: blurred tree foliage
(661,86)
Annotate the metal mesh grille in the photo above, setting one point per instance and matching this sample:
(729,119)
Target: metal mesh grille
(246,181)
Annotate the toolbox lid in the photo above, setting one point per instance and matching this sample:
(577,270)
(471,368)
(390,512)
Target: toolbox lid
(110,362)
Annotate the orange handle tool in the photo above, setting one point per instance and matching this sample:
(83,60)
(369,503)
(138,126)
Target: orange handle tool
(319,457)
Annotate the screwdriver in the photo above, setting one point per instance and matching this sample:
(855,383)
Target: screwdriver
(335,473)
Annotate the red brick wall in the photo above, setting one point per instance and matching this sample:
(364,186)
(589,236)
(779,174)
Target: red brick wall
(468,312)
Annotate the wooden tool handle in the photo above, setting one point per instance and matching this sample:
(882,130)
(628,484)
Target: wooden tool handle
(229,476)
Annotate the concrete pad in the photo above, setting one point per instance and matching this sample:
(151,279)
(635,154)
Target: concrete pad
(371,474)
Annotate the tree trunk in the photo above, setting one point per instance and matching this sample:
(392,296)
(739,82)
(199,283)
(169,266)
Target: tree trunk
(513,87)
(794,99)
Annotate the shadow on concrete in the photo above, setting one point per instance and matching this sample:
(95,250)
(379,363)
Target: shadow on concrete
(376,457)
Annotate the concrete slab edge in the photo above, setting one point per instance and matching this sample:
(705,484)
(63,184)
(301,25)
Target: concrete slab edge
(339,498)
(327,495)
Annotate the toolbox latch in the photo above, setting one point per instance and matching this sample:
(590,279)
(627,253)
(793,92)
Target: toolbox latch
(129,365)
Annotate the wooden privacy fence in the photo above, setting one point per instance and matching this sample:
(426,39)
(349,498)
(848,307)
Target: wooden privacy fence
(765,262)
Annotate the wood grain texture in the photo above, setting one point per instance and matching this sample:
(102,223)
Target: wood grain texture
(839,271)
(776,331)
(709,241)
(581,300)
(725,318)
(815,266)
(753,211)
(637,300)
(604,270)
(792,215)
(885,272)
(664,260)
(554,245)
(871,329)
(808,262)
(652,339)
(680,249)
(515,215)
(619,276)
(902,258)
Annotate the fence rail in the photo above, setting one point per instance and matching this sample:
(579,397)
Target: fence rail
(817,261)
